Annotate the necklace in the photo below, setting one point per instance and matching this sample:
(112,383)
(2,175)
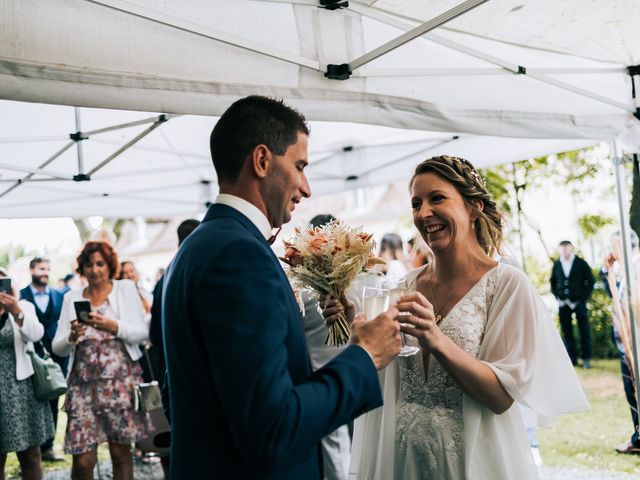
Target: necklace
(438,311)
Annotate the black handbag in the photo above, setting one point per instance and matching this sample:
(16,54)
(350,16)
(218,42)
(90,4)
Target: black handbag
(48,380)
(148,398)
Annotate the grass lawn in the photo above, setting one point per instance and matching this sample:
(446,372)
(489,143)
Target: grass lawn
(588,439)
(13,467)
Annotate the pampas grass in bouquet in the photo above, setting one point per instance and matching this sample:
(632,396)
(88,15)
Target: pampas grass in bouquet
(326,260)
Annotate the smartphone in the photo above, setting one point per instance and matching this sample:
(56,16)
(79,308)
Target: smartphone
(83,309)
(5,286)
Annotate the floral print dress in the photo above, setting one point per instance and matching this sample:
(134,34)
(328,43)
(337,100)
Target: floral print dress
(24,420)
(100,398)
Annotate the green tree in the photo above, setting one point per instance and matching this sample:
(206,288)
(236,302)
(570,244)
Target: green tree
(8,253)
(591,224)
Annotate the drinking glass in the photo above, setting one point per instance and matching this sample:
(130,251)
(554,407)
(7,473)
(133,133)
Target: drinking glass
(374,301)
(398,288)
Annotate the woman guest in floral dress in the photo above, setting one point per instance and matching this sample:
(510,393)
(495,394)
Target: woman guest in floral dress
(104,369)
(25,422)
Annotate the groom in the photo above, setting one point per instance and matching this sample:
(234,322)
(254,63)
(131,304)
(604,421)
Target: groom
(245,403)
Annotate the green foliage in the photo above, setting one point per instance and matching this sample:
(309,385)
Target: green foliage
(591,224)
(600,321)
(539,272)
(498,182)
(6,257)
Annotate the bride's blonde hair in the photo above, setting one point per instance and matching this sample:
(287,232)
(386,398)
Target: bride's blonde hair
(467,181)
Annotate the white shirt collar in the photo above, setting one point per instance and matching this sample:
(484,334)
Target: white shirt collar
(566,264)
(35,291)
(249,210)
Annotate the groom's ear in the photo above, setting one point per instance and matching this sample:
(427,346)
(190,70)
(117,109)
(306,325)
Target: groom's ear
(260,160)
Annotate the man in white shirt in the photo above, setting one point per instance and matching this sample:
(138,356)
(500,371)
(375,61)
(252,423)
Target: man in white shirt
(245,401)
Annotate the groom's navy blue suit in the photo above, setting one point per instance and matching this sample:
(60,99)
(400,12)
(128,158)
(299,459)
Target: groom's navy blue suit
(245,403)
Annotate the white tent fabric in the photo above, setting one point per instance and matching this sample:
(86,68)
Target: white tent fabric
(169,171)
(530,69)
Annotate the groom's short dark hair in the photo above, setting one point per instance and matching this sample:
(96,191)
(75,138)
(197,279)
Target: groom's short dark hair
(249,122)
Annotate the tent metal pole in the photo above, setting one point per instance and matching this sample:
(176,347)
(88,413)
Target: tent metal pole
(427,72)
(628,258)
(78,140)
(147,148)
(129,124)
(189,27)
(511,67)
(390,17)
(131,142)
(416,32)
(35,171)
(147,173)
(47,162)
(421,150)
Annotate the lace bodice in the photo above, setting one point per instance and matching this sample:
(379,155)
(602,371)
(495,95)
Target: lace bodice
(430,429)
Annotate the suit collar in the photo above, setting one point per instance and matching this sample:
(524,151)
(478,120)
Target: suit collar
(219,210)
(249,210)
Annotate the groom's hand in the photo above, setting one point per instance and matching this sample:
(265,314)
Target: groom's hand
(380,337)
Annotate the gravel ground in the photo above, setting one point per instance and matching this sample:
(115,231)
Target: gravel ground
(154,472)
(142,471)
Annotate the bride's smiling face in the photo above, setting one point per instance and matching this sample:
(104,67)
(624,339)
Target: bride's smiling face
(439,212)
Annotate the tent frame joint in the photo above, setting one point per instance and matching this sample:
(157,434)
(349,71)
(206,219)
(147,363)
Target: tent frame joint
(521,70)
(81,177)
(338,72)
(333,4)
(78,136)
(633,70)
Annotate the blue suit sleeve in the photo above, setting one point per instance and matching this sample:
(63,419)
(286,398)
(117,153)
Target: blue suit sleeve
(272,419)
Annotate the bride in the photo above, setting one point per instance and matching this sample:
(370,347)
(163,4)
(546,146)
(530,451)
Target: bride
(487,344)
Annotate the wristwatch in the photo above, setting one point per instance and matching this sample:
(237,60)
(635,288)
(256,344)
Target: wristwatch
(20,316)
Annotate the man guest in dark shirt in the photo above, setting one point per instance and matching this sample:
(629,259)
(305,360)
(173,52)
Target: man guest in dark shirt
(572,284)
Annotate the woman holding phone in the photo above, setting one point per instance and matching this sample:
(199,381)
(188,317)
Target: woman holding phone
(25,422)
(103,346)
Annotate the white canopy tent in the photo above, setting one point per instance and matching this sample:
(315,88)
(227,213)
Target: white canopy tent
(543,69)
(168,172)
(530,69)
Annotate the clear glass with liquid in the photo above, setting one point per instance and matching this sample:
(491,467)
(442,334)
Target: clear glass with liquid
(397,289)
(374,301)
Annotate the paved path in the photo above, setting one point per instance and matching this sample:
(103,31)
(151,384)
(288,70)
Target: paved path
(142,471)
(154,472)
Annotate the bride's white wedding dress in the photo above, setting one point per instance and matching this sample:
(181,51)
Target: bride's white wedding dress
(429,429)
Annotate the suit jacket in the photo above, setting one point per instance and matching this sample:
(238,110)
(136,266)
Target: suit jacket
(49,321)
(577,286)
(245,403)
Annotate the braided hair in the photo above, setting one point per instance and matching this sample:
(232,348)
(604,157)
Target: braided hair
(467,181)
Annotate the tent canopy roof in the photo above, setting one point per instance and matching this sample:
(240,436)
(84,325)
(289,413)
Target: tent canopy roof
(535,69)
(169,171)
(506,80)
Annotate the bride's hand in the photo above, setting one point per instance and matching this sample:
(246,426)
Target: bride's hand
(418,320)
(331,308)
